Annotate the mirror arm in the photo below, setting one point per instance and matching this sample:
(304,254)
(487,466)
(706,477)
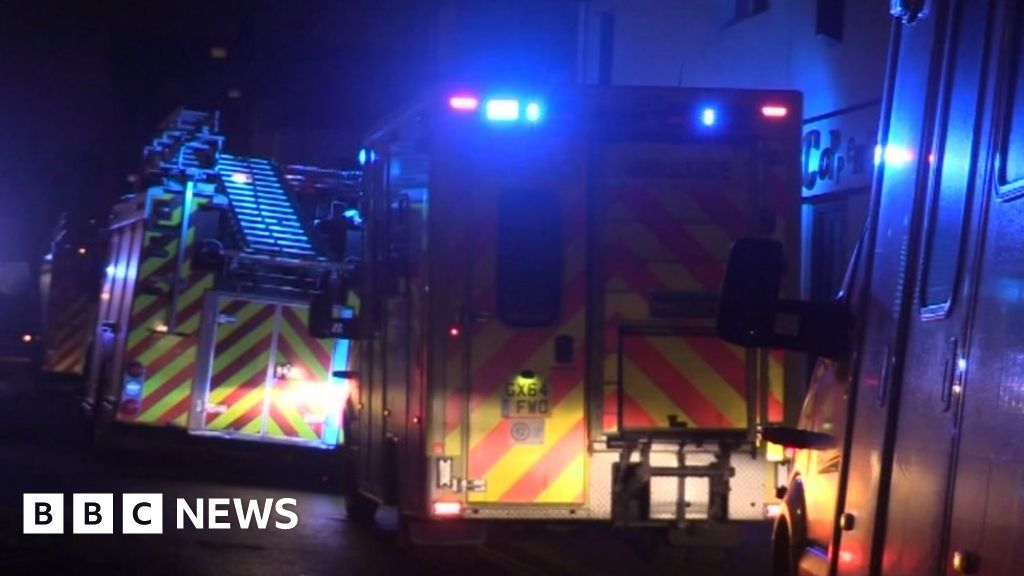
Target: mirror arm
(822,328)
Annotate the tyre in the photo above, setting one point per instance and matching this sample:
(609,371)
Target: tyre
(782,552)
(360,508)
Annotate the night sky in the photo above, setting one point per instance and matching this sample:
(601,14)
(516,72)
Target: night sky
(83,85)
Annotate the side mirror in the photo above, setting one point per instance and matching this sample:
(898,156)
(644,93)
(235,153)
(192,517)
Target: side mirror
(749,299)
(322,321)
(334,233)
(797,438)
(750,313)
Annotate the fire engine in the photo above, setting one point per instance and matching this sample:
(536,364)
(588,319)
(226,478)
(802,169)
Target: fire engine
(910,447)
(202,321)
(538,289)
(69,280)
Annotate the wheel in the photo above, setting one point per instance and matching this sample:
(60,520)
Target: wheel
(360,508)
(782,552)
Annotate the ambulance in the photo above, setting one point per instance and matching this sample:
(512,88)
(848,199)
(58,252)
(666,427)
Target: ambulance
(537,291)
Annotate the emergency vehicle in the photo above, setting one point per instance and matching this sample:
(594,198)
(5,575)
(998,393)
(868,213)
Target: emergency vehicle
(69,280)
(911,453)
(202,322)
(537,297)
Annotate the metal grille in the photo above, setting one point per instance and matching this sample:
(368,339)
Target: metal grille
(265,213)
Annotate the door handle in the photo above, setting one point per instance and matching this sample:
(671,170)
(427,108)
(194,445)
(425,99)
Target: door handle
(883,378)
(949,374)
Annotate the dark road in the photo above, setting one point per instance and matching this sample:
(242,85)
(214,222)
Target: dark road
(46,448)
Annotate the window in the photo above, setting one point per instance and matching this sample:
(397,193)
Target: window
(1011,172)
(529,258)
(746,8)
(955,152)
(606,49)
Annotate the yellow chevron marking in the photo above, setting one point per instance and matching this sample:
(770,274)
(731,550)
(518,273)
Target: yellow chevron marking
(567,487)
(488,413)
(272,428)
(453,442)
(242,375)
(252,426)
(645,393)
(185,325)
(281,400)
(776,379)
(238,408)
(308,359)
(520,458)
(180,392)
(711,385)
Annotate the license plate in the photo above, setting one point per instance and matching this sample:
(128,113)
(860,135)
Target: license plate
(526,398)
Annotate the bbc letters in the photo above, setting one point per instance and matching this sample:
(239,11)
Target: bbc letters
(144,513)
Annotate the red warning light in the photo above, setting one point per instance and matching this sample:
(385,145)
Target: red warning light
(463,103)
(447,508)
(771,111)
(454,331)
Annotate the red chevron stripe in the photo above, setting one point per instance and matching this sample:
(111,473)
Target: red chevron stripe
(633,415)
(245,418)
(182,346)
(166,267)
(620,262)
(286,350)
(493,447)
(315,347)
(183,374)
(242,389)
(279,418)
(192,278)
(724,213)
(546,470)
(507,359)
(172,413)
(453,406)
(716,353)
(244,329)
(184,315)
(704,267)
(259,349)
(676,386)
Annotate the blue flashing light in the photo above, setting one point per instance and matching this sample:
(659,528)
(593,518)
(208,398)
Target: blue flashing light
(708,116)
(533,112)
(363,156)
(133,387)
(241,178)
(893,155)
(503,110)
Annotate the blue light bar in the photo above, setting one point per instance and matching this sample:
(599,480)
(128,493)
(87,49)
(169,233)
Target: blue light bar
(503,110)
(707,116)
(533,112)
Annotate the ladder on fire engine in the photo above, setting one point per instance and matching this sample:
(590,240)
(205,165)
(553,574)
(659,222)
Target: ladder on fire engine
(187,140)
(266,216)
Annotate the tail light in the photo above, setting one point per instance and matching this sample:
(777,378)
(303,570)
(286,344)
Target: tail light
(447,509)
(130,406)
(135,370)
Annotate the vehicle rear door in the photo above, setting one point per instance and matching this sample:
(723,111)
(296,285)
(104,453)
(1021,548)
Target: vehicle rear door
(526,318)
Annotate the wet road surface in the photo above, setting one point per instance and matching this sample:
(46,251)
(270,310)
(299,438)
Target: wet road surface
(45,447)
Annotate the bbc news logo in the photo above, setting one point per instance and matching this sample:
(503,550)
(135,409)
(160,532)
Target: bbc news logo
(144,513)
